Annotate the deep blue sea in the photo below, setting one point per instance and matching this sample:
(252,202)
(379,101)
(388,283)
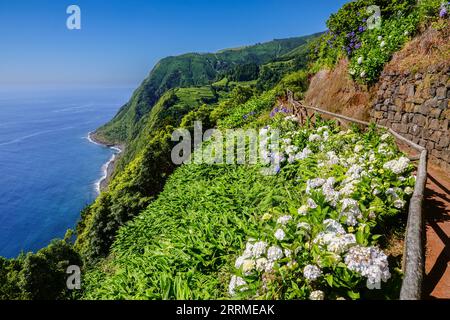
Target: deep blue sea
(48,168)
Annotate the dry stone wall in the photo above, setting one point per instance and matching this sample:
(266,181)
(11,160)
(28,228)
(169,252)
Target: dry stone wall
(416,105)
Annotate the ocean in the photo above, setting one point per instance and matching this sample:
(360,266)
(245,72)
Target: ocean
(49,169)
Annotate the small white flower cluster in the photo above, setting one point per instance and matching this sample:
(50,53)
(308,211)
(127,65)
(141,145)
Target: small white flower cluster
(236,283)
(334,239)
(317,295)
(351,211)
(312,272)
(399,203)
(398,166)
(371,263)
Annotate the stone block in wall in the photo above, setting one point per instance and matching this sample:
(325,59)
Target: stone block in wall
(441,93)
(405,118)
(393,108)
(443,142)
(431,93)
(398,117)
(430,145)
(436,136)
(409,107)
(399,103)
(444,125)
(378,114)
(435,112)
(422,109)
(415,130)
(446,155)
(446,114)
(419,120)
(410,92)
(434,124)
(423,142)
(400,128)
(443,104)
(418,100)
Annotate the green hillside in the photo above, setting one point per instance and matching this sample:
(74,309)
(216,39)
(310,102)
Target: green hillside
(192,69)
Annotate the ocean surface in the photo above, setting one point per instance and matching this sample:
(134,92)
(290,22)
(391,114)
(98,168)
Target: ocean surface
(48,167)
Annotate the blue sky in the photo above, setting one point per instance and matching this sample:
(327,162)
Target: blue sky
(120,41)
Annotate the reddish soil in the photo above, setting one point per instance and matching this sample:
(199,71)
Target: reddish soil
(437,218)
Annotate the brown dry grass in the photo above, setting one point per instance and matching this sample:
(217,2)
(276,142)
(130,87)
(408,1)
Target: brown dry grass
(335,91)
(432,47)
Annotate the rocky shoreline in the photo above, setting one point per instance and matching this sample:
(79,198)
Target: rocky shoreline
(109,167)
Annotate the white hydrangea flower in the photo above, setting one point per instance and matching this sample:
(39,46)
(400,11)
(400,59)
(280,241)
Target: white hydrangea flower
(248,252)
(284,220)
(328,191)
(291,118)
(303,210)
(397,166)
(236,283)
(311,203)
(317,295)
(409,191)
(333,159)
(399,203)
(258,249)
(288,253)
(322,129)
(274,253)
(380,38)
(385,136)
(350,210)
(248,266)
(312,272)
(280,234)
(304,226)
(261,264)
(371,263)
(315,137)
(333,226)
(383,148)
(239,262)
(362,74)
(304,154)
(360,60)
(358,148)
(314,184)
(383,44)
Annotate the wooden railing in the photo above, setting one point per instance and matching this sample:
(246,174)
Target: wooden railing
(413,252)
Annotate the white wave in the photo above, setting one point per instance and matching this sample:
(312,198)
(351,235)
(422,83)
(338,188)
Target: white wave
(105,167)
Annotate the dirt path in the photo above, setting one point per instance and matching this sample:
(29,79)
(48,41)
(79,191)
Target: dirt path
(437,218)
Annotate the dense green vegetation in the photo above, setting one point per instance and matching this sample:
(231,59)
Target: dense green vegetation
(369,42)
(40,276)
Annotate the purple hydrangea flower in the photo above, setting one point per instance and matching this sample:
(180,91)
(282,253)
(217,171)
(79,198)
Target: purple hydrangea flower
(443,12)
